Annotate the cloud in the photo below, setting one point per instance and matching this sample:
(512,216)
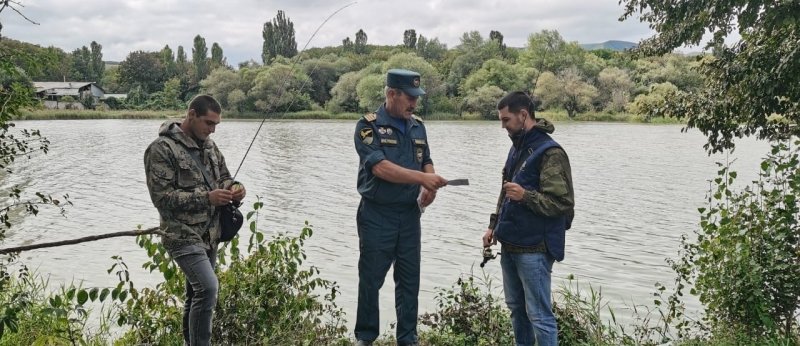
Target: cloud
(129,25)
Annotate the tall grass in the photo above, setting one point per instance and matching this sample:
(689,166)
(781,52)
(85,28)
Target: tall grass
(47,317)
(67,114)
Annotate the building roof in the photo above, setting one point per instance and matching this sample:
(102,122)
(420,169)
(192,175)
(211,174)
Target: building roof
(40,86)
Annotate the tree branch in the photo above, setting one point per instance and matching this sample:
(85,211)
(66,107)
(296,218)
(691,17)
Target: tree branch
(153,230)
(18,12)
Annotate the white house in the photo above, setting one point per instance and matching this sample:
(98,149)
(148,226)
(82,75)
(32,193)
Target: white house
(52,93)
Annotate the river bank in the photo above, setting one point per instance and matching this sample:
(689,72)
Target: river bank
(70,114)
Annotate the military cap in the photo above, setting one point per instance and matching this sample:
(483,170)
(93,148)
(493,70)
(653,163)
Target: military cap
(405,80)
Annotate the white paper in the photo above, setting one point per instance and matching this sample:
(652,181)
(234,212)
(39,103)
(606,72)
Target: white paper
(419,201)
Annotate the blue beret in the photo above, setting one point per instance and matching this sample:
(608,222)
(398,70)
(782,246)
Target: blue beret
(405,80)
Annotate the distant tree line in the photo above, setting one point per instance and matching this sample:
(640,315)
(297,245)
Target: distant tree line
(465,79)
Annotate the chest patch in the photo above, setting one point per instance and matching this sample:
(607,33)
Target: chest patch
(388,141)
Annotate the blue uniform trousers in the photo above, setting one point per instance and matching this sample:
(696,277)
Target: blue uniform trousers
(388,235)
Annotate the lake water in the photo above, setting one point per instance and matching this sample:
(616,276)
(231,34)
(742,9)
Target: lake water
(637,190)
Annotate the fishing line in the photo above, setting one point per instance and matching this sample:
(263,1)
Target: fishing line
(286,82)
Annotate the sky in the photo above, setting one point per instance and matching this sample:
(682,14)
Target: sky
(123,26)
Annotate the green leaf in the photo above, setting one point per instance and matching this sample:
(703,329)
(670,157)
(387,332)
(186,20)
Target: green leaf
(104,294)
(83,296)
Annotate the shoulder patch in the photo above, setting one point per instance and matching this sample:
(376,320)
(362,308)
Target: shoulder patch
(366,135)
(417,118)
(370,117)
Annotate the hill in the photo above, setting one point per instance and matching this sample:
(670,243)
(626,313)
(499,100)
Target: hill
(612,45)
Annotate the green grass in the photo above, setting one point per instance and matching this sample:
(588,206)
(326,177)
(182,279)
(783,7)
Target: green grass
(63,114)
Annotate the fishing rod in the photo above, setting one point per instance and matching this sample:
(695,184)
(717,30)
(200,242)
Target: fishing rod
(286,82)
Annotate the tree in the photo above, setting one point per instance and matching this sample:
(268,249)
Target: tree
(96,62)
(200,59)
(17,145)
(347,44)
(81,64)
(483,101)
(168,98)
(343,94)
(410,39)
(11,4)
(501,74)
(220,83)
(111,82)
(181,63)
(677,69)
(460,69)
(752,87)
(651,102)
(323,74)
(431,50)
(370,91)
(96,65)
(547,51)
(217,58)
(743,262)
(278,38)
(279,88)
(236,99)
(568,90)
(497,37)
(360,45)
(168,60)
(143,69)
(471,41)
(592,65)
(615,88)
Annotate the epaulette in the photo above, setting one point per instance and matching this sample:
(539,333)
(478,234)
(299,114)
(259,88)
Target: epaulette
(370,117)
(416,117)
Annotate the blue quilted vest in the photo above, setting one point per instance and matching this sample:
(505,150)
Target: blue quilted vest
(517,224)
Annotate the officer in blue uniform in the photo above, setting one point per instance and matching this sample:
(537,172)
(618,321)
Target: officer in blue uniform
(396,181)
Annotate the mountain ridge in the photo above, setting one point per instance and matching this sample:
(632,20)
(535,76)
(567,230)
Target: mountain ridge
(615,45)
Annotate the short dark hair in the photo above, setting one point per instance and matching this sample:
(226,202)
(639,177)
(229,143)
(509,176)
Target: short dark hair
(517,101)
(203,103)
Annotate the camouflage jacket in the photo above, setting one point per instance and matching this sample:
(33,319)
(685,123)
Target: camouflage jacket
(178,189)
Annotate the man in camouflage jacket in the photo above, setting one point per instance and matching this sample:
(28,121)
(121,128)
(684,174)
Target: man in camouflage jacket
(186,203)
(534,210)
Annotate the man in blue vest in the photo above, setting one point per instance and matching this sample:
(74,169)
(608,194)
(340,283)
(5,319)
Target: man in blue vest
(534,210)
(396,181)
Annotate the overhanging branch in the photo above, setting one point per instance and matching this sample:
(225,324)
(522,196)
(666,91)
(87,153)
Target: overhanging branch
(154,230)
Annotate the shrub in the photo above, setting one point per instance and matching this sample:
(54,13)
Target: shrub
(468,314)
(743,263)
(266,296)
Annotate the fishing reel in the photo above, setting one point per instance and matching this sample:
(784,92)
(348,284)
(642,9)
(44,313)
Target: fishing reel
(488,254)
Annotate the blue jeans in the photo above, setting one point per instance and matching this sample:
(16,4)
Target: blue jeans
(388,236)
(197,264)
(526,283)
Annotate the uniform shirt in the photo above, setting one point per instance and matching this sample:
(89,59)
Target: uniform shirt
(377,138)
